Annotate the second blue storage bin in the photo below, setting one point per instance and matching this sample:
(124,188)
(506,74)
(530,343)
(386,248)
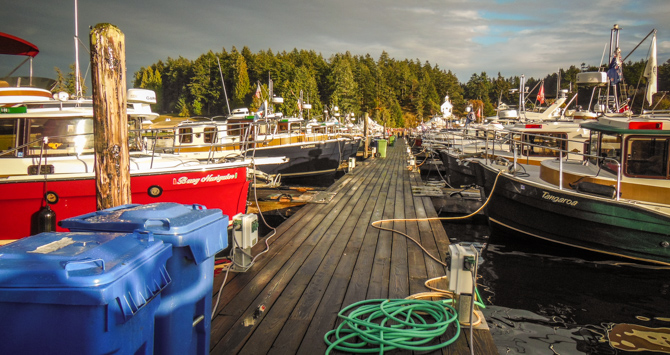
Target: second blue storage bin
(197,234)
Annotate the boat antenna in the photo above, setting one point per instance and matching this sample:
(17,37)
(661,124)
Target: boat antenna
(223,83)
(522,96)
(76,51)
(271,96)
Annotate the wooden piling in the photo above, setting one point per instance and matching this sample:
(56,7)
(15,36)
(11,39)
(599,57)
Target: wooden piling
(108,63)
(365,136)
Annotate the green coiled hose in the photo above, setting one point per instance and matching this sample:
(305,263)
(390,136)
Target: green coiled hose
(378,325)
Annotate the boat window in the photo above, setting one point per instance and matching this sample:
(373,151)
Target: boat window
(60,136)
(610,147)
(544,145)
(210,134)
(7,137)
(234,128)
(647,157)
(185,135)
(593,147)
(161,140)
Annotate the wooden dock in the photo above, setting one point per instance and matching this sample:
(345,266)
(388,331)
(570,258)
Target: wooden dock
(327,256)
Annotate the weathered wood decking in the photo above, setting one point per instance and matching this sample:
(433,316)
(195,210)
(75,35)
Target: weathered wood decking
(327,256)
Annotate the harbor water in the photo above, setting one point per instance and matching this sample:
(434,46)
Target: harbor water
(544,298)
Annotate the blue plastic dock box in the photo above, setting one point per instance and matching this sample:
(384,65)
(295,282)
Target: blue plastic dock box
(81,293)
(183,321)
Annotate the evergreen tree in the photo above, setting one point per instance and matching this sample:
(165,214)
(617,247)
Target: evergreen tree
(152,80)
(344,87)
(71,80)
(241,88)
(61,84)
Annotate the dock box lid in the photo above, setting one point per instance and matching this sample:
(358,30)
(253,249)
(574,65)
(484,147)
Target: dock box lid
(84,268)
(204,231)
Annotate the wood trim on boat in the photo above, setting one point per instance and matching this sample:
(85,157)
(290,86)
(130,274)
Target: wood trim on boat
(629,190)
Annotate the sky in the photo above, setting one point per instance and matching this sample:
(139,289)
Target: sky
(510,37)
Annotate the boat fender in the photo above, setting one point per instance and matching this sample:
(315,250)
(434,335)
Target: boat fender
(593,188)
(44,220)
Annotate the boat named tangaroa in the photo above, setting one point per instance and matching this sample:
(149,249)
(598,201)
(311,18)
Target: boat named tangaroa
(47,160)
(615,200)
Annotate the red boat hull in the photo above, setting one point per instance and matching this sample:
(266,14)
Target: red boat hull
(225,189)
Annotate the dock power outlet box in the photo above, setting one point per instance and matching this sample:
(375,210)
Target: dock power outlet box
(245,230)
(461,263)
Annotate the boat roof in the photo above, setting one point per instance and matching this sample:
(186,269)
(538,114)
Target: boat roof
(635,126)
(16,46)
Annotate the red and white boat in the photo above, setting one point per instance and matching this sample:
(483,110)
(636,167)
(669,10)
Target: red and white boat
(46,159)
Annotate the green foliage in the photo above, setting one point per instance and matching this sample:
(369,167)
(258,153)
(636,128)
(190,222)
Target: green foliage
(150,78)
(396,93)
(196,108)
(60,81)
(242,87)
(67,84)
(182,107)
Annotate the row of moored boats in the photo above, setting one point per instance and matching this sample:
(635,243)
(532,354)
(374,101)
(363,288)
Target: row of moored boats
(47,153)
(600,183)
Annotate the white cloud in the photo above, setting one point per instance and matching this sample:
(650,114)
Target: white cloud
(512,37)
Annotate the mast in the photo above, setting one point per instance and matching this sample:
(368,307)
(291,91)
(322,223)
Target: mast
(223,83)
(522,91)
(614,52)
(78,91)
(270,94)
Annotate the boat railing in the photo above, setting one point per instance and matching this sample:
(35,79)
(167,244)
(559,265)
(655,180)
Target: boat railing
(235,138)
(563,153)
(472,137)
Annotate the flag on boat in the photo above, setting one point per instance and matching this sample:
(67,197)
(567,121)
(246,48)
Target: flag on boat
(651,71)
(261,110)
(540,93)
(258,91)
(469,118)
(614,73)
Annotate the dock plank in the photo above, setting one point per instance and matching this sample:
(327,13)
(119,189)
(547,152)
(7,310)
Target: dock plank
(310,281)
(267,285)
(328,256)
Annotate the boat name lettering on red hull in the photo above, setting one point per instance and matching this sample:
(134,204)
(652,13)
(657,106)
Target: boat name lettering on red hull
(209,178)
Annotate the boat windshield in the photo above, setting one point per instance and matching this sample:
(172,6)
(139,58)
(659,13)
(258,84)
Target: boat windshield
(544,145)
(607,146)
(62,136)
(647,157)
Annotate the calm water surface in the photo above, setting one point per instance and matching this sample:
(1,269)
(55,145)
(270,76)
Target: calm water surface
(544,298)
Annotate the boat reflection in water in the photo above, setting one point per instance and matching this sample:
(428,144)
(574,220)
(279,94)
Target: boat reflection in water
(544,298)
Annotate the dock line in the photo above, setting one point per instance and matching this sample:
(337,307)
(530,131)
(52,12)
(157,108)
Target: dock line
(267,246)
(374,224)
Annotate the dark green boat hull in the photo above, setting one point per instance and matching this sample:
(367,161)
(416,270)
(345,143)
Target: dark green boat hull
(585,221)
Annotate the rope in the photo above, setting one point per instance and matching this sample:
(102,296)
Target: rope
(267,246)
(375,326)
(375,223)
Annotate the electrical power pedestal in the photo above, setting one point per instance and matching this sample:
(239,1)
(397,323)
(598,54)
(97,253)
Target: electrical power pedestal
(245,236)
(462,264)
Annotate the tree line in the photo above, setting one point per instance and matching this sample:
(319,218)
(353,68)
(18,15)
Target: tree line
(396,93)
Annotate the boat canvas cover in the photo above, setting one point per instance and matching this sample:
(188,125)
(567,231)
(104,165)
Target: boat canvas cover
(16,46)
